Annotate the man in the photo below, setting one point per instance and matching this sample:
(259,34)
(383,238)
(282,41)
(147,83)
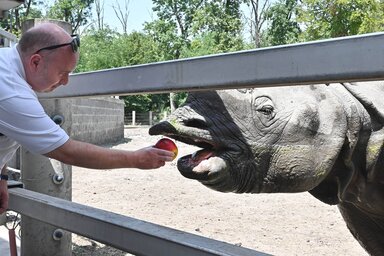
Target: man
(41,62)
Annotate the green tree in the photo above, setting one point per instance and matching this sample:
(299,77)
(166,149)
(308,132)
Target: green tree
(336,18)
(103,49)
(283,27)
(122,13)
(164,34)
(182,22)
(29,10)
(219,23)
(259,9)
(95,50)
(173,28)
(75,12)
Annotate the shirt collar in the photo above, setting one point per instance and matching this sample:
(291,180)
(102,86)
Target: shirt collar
(16,59)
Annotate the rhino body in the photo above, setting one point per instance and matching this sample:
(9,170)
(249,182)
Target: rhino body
(325,139)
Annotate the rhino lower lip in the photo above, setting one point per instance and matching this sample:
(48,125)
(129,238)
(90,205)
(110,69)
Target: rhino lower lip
(203,165)
(189,165)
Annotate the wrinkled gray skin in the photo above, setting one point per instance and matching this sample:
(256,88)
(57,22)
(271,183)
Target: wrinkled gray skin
(325,139)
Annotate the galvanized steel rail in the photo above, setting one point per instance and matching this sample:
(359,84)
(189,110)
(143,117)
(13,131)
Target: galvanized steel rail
(9,39)
(125,233)
(348,59)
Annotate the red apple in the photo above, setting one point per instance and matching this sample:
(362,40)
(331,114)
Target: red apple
(167,144)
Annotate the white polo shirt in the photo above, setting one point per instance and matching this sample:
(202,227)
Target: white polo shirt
(23,120)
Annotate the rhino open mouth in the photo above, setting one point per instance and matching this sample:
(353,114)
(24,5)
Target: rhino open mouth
(201,164)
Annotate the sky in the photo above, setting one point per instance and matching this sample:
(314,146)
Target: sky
(139,12)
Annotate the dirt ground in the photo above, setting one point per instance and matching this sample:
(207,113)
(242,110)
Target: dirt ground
(278,224)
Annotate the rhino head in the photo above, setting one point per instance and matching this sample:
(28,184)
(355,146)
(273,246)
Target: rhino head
(325,139)
(259,140)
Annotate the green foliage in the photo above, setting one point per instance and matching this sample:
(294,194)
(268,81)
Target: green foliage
(105,48)
(219,17)
(179,13)
(172,29)
(335,18)
(211,43)
(284,28)
(146,102)
(184,28)
(194,28)
(31,9)
(179,99)
(96,50)
(75,12)
(218,25)
(164,34)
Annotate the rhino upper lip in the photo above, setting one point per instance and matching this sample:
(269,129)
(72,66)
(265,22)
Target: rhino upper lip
(188,135)
(199,142)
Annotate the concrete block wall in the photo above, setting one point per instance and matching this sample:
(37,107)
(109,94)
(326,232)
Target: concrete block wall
(94,120)
(97,120)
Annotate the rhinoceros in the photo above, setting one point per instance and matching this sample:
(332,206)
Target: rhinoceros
(327,139)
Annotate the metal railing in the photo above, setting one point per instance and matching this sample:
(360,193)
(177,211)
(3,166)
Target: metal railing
(7,39)
(122,232)
(143,118)
(349,59)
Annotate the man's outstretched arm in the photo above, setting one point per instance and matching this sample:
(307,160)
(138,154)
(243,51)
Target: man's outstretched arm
(87,155)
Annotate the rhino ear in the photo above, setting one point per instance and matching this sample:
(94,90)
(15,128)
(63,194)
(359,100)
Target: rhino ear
(332,189)
(369,95)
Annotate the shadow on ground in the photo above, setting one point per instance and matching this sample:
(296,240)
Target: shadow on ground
(96,250)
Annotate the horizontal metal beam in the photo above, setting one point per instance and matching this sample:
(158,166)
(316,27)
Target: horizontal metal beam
(7,35)
(122,232)
(348,59)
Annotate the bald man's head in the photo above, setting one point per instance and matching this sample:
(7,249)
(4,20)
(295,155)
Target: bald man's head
(42,35)
(49,54)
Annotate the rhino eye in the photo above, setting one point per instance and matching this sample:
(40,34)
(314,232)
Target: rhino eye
(266,110)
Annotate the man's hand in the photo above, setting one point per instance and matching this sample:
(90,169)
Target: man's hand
(3,196)
(151,158)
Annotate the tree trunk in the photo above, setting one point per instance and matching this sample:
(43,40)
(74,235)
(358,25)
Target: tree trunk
(172,101)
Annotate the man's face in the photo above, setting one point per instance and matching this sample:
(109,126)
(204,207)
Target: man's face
(53,69)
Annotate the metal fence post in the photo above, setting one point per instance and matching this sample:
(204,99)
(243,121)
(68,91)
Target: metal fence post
(43,175)
(150,117)
(133,117)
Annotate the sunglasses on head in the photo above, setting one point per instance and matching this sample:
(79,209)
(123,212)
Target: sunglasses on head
(75,44)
